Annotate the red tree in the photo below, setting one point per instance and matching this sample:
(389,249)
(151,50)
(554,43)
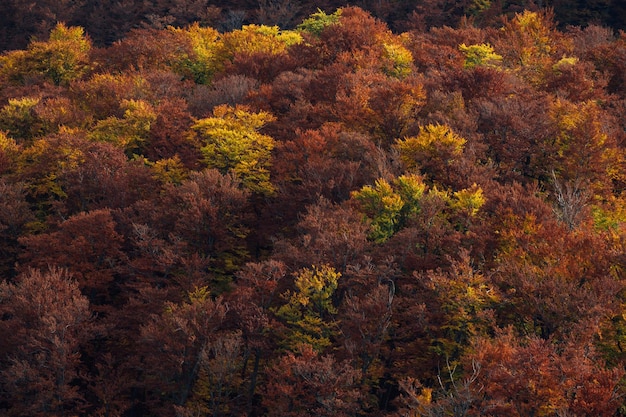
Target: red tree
(46,321)
(87,245)
(306,384)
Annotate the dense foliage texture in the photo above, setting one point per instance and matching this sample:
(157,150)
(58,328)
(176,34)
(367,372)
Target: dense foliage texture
(111,20)
(329,220)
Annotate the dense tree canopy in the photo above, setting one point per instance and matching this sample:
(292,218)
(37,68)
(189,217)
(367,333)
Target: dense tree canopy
(354,211)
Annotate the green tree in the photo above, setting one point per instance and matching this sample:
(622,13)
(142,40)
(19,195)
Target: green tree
(388,206)
(480,55)
(319,20)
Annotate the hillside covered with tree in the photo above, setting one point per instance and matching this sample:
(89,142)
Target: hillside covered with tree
(329,219)
(110,20)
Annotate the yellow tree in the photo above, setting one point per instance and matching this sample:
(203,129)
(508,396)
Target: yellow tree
(60,59)
(389,207)
(434,142)
(206,52)
(480,55)
(231,142)
(9,151)
(200,62)
(255,39)
(466,301)
(530,45)
(41,164)
(19,120)
(582,147)
(309,308)
(129,132)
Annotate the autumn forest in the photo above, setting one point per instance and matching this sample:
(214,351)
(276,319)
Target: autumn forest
(342,214)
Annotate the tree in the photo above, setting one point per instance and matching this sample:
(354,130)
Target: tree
(232,89)
(87,245)
(129,133)
(326,234)
(39,167)
(19,120)
(387,208)
(531,376)
(466,302)
(201,60)
(529,45)
(303,383)
(365,321)
(583,150)
(218,377)
(383,206)
(254,300)
(392,207)
(576,80)
(257,51)
(255,39)
(519,376)
(329,162)
(9,151)
(22,23)
(203,222)
(180,338)
(104,177)
(317,21)
(355,30)
(103,93)
(516,129)
(169,134)
(277,12)
(551,279)
(479,55)
(61,59)
(382,105)
(608,56)
(46,321)
(432,151)
(15,215)
(309,308)
(231,142)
